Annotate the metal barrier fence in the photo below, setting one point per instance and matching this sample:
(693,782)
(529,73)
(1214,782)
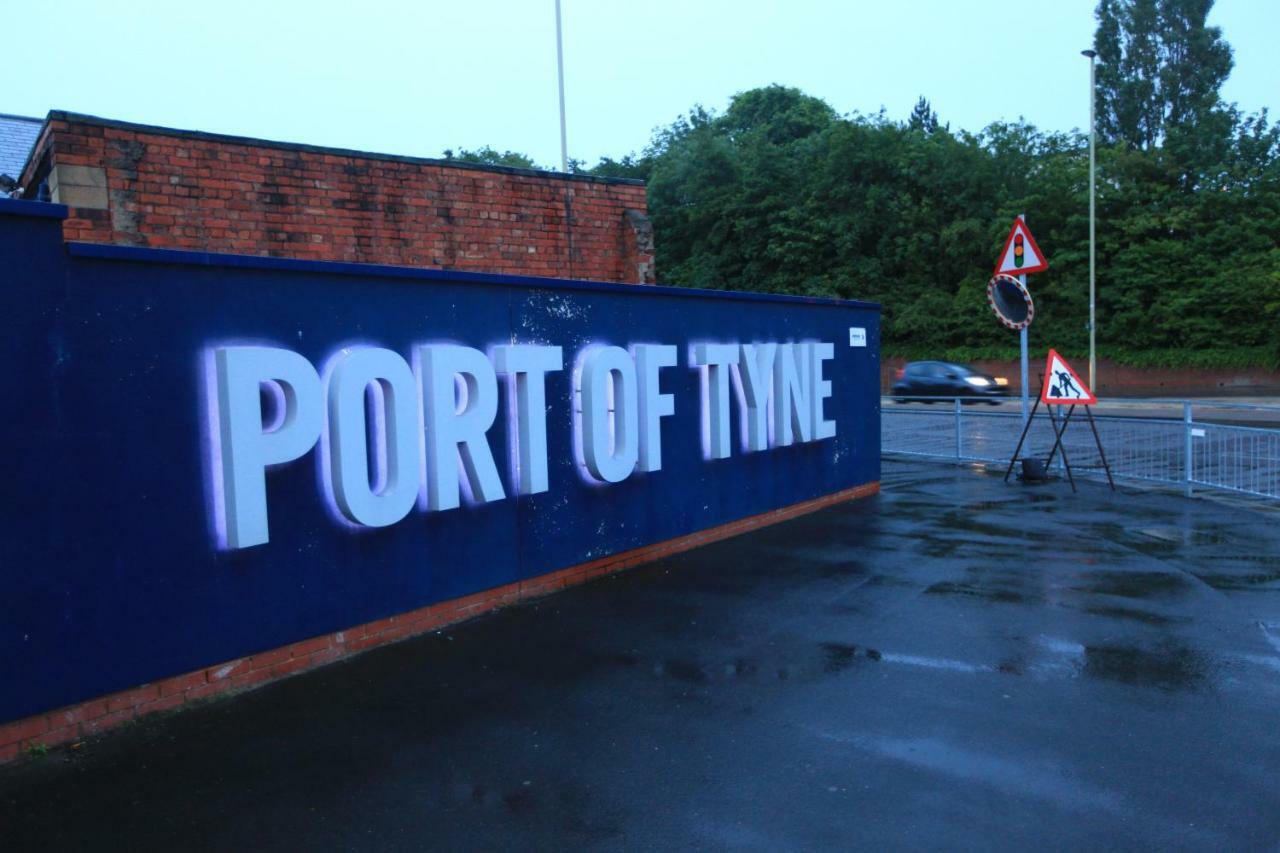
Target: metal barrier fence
(1213,445)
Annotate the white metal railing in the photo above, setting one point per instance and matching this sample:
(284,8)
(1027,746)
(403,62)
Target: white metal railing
(1212,445)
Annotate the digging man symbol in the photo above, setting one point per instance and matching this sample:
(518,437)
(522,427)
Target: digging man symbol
(1065,385)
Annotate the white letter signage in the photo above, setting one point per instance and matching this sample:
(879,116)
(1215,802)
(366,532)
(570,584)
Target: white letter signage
(393,436)
(246,445)
(390,495)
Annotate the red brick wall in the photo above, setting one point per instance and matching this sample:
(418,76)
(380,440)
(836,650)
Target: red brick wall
(184,190)
(1118,380)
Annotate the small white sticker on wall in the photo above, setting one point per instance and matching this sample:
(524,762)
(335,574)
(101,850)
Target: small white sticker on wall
(857,336)
(1197,433)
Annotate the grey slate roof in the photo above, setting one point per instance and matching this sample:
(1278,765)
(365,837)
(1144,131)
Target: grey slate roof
(17,135)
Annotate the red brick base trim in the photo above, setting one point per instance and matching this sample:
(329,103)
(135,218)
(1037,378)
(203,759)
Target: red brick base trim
(98,715)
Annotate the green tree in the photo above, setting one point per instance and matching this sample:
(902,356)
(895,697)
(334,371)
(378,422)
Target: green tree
(492,157)
(628,166)
(781,194)
(1159,81)
(778,113)
(923,118)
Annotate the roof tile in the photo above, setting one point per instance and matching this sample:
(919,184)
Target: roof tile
(17,135)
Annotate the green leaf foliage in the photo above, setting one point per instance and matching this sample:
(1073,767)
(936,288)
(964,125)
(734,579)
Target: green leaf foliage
(491,157)
(781,194)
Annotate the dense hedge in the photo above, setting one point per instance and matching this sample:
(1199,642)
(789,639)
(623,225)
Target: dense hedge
(781,194)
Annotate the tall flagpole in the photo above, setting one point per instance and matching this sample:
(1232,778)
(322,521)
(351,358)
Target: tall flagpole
(564,136)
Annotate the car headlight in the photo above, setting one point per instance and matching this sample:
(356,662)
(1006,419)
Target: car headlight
(977,381)
(1000,380)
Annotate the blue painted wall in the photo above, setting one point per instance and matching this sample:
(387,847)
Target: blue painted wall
(108,573)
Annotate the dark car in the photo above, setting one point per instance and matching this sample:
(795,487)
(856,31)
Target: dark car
(944,379)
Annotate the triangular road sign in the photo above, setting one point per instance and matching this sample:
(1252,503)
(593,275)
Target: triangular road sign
(1021,255)
(1062,385)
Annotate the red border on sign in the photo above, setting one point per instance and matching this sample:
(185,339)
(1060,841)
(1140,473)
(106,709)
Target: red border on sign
(1088,400)
(991,300)
(1044,262)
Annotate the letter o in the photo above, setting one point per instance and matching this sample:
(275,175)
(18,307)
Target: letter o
(395,431)
(610,434)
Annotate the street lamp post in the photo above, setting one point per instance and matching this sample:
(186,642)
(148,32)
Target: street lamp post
(1093,266)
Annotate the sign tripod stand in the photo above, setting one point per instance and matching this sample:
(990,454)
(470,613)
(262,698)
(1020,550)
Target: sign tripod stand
(1063,388)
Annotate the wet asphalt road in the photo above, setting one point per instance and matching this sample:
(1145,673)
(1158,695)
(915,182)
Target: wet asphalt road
(955,664)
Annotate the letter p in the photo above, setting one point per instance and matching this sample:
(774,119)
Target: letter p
(244,444)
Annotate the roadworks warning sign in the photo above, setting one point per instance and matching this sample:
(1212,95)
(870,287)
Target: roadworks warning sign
(1062,385)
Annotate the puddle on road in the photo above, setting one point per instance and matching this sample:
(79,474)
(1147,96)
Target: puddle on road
(1116,533)
(989,593)
(982,506)
(1003,585)
(799,666)
(1182,536)
(1168,666)
(1164,539)
(968,766)
(1134,584)
(1259,581)
(1144,616)
(969,524)
(942,546)
(913,502)
(839,656)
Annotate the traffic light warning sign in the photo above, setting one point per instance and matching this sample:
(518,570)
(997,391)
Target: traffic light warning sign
(1021,255)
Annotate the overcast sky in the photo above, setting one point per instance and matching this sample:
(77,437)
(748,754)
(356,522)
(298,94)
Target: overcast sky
(418,77)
